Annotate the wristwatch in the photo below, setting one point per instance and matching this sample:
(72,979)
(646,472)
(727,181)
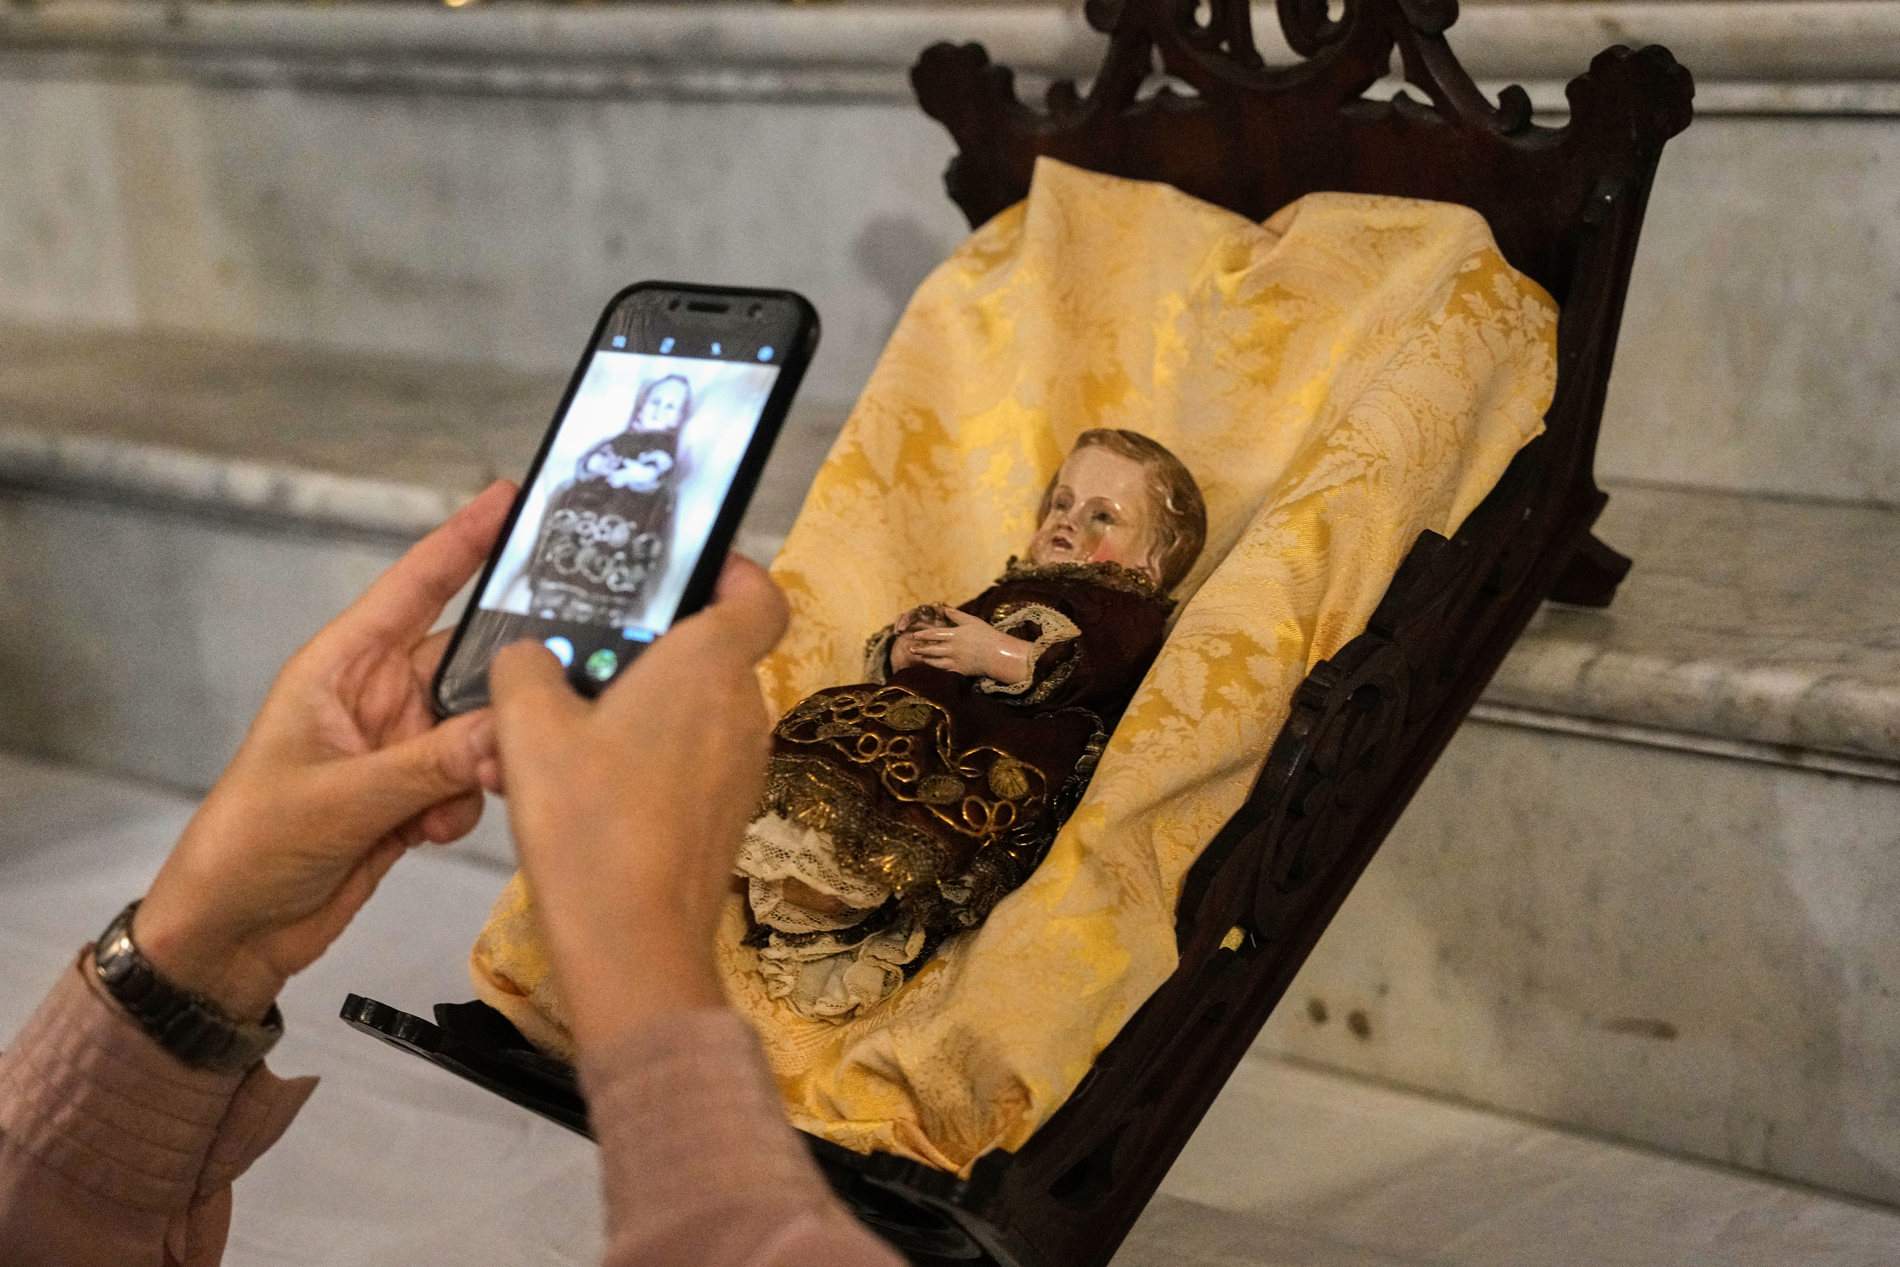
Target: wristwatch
(188,1025)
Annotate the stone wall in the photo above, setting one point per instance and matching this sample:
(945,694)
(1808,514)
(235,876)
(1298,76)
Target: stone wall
(474,184)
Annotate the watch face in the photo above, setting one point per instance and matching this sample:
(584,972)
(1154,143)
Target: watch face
(115,955)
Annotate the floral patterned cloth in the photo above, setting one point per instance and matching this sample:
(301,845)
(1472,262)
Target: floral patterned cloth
(1349,373)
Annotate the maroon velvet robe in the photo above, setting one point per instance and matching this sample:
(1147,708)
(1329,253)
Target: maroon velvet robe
(949,789)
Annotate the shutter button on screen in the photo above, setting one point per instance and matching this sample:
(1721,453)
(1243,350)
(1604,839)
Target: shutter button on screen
(602,664)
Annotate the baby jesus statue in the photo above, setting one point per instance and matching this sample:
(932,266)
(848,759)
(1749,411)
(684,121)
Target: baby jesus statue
(900,810)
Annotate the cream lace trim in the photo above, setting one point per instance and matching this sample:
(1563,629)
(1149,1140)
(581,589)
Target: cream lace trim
(1056,628)
(823,979)
(775,850)
(877,655)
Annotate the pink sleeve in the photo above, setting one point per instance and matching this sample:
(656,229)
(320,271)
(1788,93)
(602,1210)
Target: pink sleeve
(697,1161)
(114,1153)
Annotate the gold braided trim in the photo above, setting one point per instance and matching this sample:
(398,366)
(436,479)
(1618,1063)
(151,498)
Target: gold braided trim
(1110,575)
(870,845)
(907,742)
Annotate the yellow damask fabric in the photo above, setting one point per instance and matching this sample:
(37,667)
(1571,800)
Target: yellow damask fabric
(1351,372)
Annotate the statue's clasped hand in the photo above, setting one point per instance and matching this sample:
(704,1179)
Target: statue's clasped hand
(970,646)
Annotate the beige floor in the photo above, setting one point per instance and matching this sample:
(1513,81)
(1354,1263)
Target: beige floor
(392,1162)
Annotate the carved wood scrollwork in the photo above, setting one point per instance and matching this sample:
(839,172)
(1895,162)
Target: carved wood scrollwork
(1254,137)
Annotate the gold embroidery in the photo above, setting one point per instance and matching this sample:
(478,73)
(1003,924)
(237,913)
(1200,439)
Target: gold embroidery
(812,792)
(909,715)
(1008,779)
(940,789)
(906,742)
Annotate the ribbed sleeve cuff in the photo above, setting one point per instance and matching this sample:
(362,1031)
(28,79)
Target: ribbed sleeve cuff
(690,1123)
(85,1091)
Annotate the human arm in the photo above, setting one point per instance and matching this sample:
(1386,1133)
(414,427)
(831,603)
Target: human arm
(111,1149)
(627,812)
(114,1154)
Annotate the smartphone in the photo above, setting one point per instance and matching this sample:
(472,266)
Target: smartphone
(625,517)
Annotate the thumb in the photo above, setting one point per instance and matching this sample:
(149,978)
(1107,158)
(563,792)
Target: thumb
(536,712)
(529,689)
(390,786)
(748,614)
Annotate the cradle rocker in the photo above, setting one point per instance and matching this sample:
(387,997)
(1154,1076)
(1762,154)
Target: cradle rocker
(1565,206)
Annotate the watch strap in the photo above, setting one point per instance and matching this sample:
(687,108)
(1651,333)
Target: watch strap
(186,1024)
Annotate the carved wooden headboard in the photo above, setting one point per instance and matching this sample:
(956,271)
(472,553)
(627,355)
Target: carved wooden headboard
(1253,138)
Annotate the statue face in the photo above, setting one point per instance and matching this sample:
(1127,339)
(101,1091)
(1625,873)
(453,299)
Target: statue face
(662,407)
(1100,512)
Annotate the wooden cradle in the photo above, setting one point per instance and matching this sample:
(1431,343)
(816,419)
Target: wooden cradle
(1566,206)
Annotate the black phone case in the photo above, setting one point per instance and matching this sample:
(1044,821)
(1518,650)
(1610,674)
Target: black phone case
(745,480)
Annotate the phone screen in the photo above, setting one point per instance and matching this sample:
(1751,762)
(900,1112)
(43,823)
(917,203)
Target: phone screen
(613,524)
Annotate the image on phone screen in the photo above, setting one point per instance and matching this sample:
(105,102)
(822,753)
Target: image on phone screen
(613,525)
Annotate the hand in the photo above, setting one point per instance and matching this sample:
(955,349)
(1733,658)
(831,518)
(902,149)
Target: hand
(627,810)
(902,652)
(970,646)
(922,616)
(341,772)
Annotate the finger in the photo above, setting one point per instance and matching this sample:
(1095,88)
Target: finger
(453,819)
(533,705)
(962,617)
(382,790)
(405,600)
(489,772)
(748,614)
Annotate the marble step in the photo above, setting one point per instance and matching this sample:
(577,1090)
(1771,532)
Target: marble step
(1648,890)
(1754,626)
(1292,1167)
(471,183)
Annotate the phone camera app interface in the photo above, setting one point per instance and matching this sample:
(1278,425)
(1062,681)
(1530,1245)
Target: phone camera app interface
(618,515)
